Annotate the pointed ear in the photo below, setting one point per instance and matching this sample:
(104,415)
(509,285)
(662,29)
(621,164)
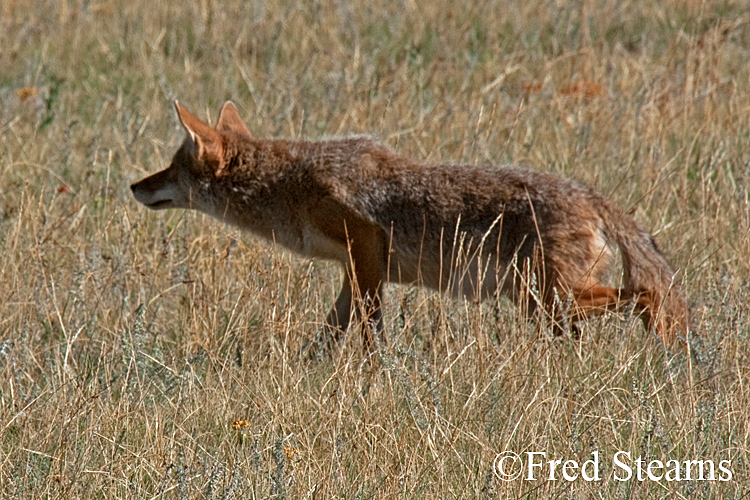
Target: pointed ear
(206,141)
(229,120)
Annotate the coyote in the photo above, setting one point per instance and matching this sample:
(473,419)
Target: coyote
(471,231)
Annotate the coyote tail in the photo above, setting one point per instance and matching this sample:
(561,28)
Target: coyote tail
(649,280)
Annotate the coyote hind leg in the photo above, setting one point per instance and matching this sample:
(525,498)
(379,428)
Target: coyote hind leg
(597,300)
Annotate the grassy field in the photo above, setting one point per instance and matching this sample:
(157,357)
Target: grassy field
(153,355)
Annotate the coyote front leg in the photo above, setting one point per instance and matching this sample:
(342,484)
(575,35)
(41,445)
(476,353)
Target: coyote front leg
(367,252)
(338,318)
(361,290)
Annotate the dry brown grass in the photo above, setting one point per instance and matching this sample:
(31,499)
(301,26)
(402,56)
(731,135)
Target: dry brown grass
(131,341)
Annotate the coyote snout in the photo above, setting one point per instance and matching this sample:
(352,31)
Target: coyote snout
(158,191)
(467,230)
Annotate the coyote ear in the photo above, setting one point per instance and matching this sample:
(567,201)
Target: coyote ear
(206,141)
(229,120)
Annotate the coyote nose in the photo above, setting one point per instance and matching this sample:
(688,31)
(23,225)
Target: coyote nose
(132,187)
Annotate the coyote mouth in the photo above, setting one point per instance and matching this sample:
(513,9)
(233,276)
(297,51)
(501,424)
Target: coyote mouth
(159,204)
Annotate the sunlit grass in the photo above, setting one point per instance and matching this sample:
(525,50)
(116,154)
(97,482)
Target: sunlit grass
(155,354)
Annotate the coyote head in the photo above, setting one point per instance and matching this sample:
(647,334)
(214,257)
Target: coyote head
(187,182)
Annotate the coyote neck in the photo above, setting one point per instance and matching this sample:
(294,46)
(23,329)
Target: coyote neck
(277,189)
(252,190)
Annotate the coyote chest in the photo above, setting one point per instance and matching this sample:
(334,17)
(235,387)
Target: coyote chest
(270,215)
(309,242)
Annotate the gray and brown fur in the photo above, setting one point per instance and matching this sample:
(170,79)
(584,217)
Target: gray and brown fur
(471,231)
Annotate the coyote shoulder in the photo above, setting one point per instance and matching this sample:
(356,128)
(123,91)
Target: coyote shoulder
(471,231)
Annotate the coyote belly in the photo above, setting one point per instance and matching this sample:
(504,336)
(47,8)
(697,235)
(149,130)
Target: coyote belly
(469,231)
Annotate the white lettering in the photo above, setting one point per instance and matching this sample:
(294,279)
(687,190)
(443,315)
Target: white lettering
(619,464)
(552,466)
(654,464)
(673,466)
(725,468)
(639,465)
(573,466)
(594,462)
(699,463)
(533,464)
